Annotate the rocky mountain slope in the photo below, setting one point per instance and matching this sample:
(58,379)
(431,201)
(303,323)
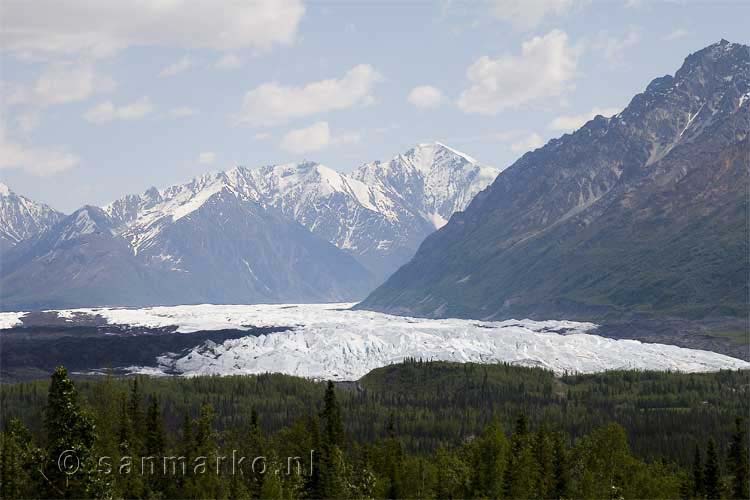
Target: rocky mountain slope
(642,214)
(224,250)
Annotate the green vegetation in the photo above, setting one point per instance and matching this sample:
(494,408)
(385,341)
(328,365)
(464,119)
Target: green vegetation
(737,337)
(414,430)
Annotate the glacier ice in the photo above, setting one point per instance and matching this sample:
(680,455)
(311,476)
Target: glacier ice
(330,341)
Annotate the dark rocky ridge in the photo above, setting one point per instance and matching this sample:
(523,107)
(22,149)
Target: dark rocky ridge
(644,215)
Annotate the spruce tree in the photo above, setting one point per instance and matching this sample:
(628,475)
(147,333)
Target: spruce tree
(254,421)
(255,448)
(205,482)
(313,483)
(125,430)
(19,462)
(453,475)
(712,473)
(154,445)
(561,487)
(686,488)
(71,431)
(130,479)
(738,460)
(272,488)
(489,457)
(333,426)
(186,434)
(155,438)
(186,450)
(521,471)
(362,480)
(137,422)
(699,486)
(394,457)
(545,459)
(332,466)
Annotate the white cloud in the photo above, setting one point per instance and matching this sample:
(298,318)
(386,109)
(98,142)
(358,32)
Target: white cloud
(676,34)
(39,162)
(544,69)
(229,61)
(303,140)
(182,112)
(572,122)
(517,140)
(176,68)
(425,96)
(273,104)
(102,27)
(346,138)
(262,136)
(531,141)
(207,157)
(28,121)
(613,48)
(387,128)
(316,137)
(527,14)
(59,83)
(107,112)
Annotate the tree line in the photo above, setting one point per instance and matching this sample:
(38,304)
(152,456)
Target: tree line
(532,454)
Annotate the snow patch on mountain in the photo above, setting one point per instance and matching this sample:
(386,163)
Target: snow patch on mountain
(22,218)
(431,179)
(11,319)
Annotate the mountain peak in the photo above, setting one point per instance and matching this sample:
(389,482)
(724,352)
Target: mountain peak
(456,152)
(721,49)
(22,218)
(152,194)
(429,151)
(715,62)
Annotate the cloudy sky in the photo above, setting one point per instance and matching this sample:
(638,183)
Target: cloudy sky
(104,98)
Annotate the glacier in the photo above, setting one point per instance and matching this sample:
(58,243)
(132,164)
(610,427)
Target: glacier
(330,341)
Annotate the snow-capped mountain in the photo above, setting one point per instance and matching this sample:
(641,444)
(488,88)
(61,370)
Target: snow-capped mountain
(433,180)
(79,260)
(215,248)
(22,218)
(379,214)
(428,184)
(298,232)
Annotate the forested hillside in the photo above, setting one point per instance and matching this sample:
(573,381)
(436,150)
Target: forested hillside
(415,430)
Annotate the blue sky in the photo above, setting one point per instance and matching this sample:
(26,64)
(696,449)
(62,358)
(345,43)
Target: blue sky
(102,101)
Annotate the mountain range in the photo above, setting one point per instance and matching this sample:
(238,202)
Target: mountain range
(644,214)
(283,233)
(640,215)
